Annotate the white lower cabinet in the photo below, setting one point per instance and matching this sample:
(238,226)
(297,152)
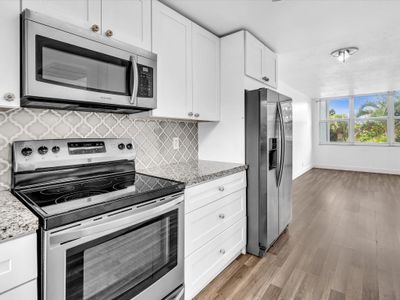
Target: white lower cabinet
(18,268)
(215,229)
(203,224)
(27,291)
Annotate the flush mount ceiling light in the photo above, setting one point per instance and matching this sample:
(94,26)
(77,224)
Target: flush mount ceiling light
(343,54)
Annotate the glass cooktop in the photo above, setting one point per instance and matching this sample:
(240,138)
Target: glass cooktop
(65,197)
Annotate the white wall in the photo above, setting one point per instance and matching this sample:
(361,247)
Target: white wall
(302,129)
(378,159)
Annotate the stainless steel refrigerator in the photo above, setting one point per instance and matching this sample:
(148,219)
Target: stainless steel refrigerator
(268,122)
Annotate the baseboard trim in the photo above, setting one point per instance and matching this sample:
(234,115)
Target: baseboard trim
(302,171)
(358,169)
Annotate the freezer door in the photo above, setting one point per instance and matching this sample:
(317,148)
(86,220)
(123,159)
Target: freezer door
(285,187)
(270,133)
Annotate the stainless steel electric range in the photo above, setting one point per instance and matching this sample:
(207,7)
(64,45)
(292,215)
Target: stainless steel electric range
(106,231)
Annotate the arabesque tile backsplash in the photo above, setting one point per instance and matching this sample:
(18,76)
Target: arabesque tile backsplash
(152,138)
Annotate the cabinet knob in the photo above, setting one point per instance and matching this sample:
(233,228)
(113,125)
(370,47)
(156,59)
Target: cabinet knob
(221,188)
(221,216)
(190,114)
(222,251)
(95,28)
(109,33)
(197,115)
(9,97)
(265,78)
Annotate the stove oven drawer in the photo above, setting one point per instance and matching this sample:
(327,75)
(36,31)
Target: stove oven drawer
(205,193)
(18,262)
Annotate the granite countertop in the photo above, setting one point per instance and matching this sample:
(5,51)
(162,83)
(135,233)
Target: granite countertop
(15,219)
(195,172)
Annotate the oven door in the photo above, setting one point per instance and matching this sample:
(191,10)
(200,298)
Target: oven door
(59,65)
(134,253)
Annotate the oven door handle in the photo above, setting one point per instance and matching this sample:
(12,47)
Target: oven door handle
(110,226)
(135,81)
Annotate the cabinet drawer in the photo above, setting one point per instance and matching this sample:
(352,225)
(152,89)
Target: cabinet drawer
(17,262)
(27,291)
(203,265)
(205,193)
(203,224)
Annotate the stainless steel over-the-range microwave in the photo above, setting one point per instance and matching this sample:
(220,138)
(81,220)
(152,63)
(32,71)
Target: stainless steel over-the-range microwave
(68,67)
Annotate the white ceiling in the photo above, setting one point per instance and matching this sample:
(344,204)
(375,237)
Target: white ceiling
(304,32)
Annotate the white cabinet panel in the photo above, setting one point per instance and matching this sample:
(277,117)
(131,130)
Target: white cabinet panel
(171,36)
(9,58)
(203,194)
(207,262)
(254,57)
(206,80)
(269,67)
(204,224)
(129,20)
(260,62)
(27,291)
(83,13)
(18,262)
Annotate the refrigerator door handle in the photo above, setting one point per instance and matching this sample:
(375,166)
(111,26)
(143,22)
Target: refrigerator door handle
(282,137)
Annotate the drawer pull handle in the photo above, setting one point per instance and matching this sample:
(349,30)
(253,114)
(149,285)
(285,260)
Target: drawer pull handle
(221,216)
(222,251)
(221,189)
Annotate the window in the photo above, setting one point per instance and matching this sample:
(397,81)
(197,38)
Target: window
(396,101)
(334,125)
(361,119)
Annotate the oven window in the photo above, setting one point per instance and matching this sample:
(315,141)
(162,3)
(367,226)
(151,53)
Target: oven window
(68,65)
(124,263)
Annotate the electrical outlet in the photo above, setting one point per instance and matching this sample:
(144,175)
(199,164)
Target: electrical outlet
(175,143)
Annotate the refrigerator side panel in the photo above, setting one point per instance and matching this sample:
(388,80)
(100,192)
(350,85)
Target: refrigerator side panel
(252,121)
(285,188)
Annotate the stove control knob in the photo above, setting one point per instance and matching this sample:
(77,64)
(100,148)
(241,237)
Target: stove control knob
(129,146)
(55,149)
(43,150)
(26,151)
(121,146)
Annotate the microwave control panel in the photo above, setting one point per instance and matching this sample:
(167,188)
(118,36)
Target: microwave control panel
(146,77)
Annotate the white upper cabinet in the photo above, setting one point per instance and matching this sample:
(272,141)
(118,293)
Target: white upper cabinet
(269,69)
(206,77)
(260,61)
(188,67)
(84,13)
(9,58)
(128,21)
(171,41)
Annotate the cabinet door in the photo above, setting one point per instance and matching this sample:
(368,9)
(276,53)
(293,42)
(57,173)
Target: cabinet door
(172,42)
(254,57)
(129,21)
(83,13)
(9,59)
(260,61)
(205,62)
(269,67)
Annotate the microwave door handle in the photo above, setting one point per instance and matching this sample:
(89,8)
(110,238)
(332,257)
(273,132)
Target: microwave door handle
(135,81)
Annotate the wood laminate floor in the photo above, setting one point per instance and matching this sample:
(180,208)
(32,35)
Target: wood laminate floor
(343,243)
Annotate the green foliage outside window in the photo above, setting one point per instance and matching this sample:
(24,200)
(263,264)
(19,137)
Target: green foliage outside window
(371,132)
(338,132)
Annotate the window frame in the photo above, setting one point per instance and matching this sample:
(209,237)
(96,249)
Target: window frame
(352,119)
